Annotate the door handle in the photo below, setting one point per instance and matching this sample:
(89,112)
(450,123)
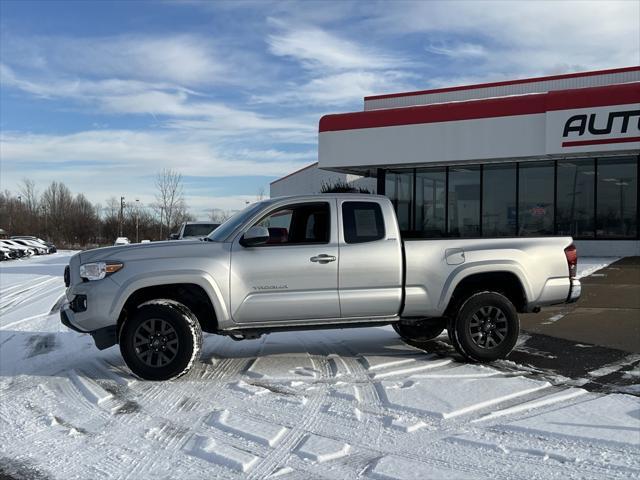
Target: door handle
(323,258)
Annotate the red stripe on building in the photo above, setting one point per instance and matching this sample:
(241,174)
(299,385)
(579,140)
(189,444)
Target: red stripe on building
(580,143)
(504,83)
(529,104)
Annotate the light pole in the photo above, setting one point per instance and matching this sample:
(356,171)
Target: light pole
(121,213)
(137,217)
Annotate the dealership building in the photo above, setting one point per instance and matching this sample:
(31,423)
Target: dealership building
(546,156)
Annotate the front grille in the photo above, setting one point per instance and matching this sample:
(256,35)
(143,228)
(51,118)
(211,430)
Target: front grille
(67,276)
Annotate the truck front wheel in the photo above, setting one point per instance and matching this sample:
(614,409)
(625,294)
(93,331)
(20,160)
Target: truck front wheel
(485,328)
(160,340)
(421,331)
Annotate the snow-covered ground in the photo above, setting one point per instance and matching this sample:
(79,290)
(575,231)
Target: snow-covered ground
(590,265)
(326,404)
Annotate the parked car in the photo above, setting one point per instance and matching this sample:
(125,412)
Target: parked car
(7,254)
(274,266)
(191,230)
(52,248)
(40,248)
(12,244)
(121,241)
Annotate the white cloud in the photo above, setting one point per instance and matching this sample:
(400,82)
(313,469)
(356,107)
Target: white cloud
(340,88)
(101,162)
(525,38)
(458,50)
(141,151)
(315,48)
(186,60)
(178,107)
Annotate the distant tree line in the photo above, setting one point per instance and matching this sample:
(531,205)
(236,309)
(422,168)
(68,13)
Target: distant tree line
(69,220)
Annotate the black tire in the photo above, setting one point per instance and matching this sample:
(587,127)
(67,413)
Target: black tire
(161,340)
(419,332)
(485,327)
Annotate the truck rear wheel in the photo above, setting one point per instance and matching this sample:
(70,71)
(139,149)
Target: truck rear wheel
(485,328)
(161,340)
(421,331)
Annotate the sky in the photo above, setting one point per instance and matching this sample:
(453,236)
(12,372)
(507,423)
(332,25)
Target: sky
(102,95)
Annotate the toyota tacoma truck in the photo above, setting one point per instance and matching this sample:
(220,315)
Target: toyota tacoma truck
(321,261)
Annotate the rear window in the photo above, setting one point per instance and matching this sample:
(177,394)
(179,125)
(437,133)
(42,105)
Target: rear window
(362,222)
(199,229)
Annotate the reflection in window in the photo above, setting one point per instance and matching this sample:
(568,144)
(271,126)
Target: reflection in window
(617,197)
(464,201)
(575,200)
(399,188)
(499,200)
(535,210)
(430,202)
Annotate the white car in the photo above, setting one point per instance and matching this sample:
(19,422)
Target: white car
(40,248)
(13,245)
(121,241)
(6,254)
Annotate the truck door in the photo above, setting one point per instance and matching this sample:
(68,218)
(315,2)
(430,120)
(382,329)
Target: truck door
(370,270)
(294,276)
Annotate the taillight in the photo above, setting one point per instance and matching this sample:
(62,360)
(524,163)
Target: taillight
(572,259)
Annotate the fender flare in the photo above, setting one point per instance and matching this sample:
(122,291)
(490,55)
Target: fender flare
(196,277)
(467,269)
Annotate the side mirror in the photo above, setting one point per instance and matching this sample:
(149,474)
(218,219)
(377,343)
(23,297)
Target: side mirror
(173,236)
(255,236)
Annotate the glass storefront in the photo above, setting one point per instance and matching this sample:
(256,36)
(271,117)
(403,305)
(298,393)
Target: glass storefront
(617,198)
(585,198)
(576,198)
(464,201)
(499,207)
(535,199)
(431,197)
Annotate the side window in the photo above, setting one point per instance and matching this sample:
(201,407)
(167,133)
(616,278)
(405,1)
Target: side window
(362,222)
(298,224)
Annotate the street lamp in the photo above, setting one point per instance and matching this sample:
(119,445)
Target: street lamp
(137,217)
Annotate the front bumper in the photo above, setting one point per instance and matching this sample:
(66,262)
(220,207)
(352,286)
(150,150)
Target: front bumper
(103,337)
(574,291)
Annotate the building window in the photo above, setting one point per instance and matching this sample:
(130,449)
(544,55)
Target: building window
(575,198)
(499,207)
(617,197)
(399,188)
(431,196)
(464,201)
(535,202)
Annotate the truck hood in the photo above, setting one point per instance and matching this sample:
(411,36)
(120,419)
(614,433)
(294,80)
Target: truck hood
(148,251)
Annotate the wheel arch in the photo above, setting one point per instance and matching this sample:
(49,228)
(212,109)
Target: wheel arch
(199,298)
(506,282)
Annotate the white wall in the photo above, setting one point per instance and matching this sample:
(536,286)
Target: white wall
(309,181)
(608,248)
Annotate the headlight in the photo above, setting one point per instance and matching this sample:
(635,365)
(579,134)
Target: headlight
(98,270)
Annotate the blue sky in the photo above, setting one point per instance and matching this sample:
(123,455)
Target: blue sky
(104,94)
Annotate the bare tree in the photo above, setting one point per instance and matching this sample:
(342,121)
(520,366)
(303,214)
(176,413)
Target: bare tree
(260,194)
(29,195)
(170,197)
(218,215)
(57,201)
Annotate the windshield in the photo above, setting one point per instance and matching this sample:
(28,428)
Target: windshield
(228,227)
(198,229)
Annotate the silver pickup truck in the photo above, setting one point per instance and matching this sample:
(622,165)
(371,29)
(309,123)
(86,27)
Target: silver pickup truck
(321,261)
